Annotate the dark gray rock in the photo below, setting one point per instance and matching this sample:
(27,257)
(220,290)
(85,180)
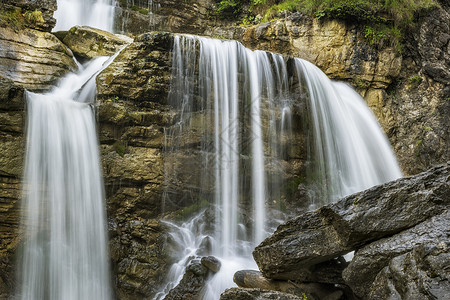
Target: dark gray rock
(211,263)
(370,260)
(192,283)
(354,221)
(256,294)
(423,273)
(254,279)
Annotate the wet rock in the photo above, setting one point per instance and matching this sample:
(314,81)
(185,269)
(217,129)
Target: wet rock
(141,72)
(373,258)
(257,294)
(11,169)
(87,42)
(354,221)
(420,274)
(192,283)
(33,59)
(254,279)
(140,255)
(211,263)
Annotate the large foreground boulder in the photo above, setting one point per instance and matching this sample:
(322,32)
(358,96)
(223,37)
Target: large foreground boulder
(400,232)
(353,222)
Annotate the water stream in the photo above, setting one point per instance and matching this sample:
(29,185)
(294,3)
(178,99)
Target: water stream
(64,253)
(95,13)
(245,102)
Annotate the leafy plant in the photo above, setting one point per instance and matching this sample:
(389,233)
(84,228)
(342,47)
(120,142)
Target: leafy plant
(415,81)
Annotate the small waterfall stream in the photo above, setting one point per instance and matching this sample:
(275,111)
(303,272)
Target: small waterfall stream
(64,254)
(245,100)
(94,13)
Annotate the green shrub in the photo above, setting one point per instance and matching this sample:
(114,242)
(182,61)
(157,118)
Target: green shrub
(415,81)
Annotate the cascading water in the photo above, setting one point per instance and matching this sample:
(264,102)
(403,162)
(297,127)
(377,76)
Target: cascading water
(351,151)
(64,254)
(246,100)
(94,13)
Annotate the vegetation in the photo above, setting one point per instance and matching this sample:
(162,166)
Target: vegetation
(415,81)
(383,21)
(18,18)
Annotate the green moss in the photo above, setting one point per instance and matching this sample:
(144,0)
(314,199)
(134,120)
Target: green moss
(415,81)
(19,19)
(33,17)
(292,185)
(12,18)
(120,148)
(189,211)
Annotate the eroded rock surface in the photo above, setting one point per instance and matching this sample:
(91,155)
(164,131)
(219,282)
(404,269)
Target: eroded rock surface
(33,59)
(11,168)
(416,243)
(256,294)
(87,42)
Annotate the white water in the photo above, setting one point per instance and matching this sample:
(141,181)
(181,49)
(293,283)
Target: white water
(94,13)
(237,87)
(351,151)
(64,254)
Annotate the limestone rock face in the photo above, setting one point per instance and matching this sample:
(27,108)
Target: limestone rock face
(415,109)
(336,48)
(87,42)
(43,10)
(140,255)
(195,17)
(11,168)
(33,59)
(131,94)
(419,274)
(352,222)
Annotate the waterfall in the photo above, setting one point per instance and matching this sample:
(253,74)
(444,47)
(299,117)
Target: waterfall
(94,13)
(64,255)
(245,102)
(351,152)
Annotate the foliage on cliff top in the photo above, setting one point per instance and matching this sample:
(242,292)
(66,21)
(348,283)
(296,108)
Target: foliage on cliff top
(384,21)
(397,12)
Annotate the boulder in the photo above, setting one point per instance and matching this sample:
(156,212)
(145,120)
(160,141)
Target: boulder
(191,284)
(257,294)
(87,42)
(391,256)
(33,59)
(211,263)
(255,279)
(353,222)
(420,274)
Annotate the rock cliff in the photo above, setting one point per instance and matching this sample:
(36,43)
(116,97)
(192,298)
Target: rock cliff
(408,91)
